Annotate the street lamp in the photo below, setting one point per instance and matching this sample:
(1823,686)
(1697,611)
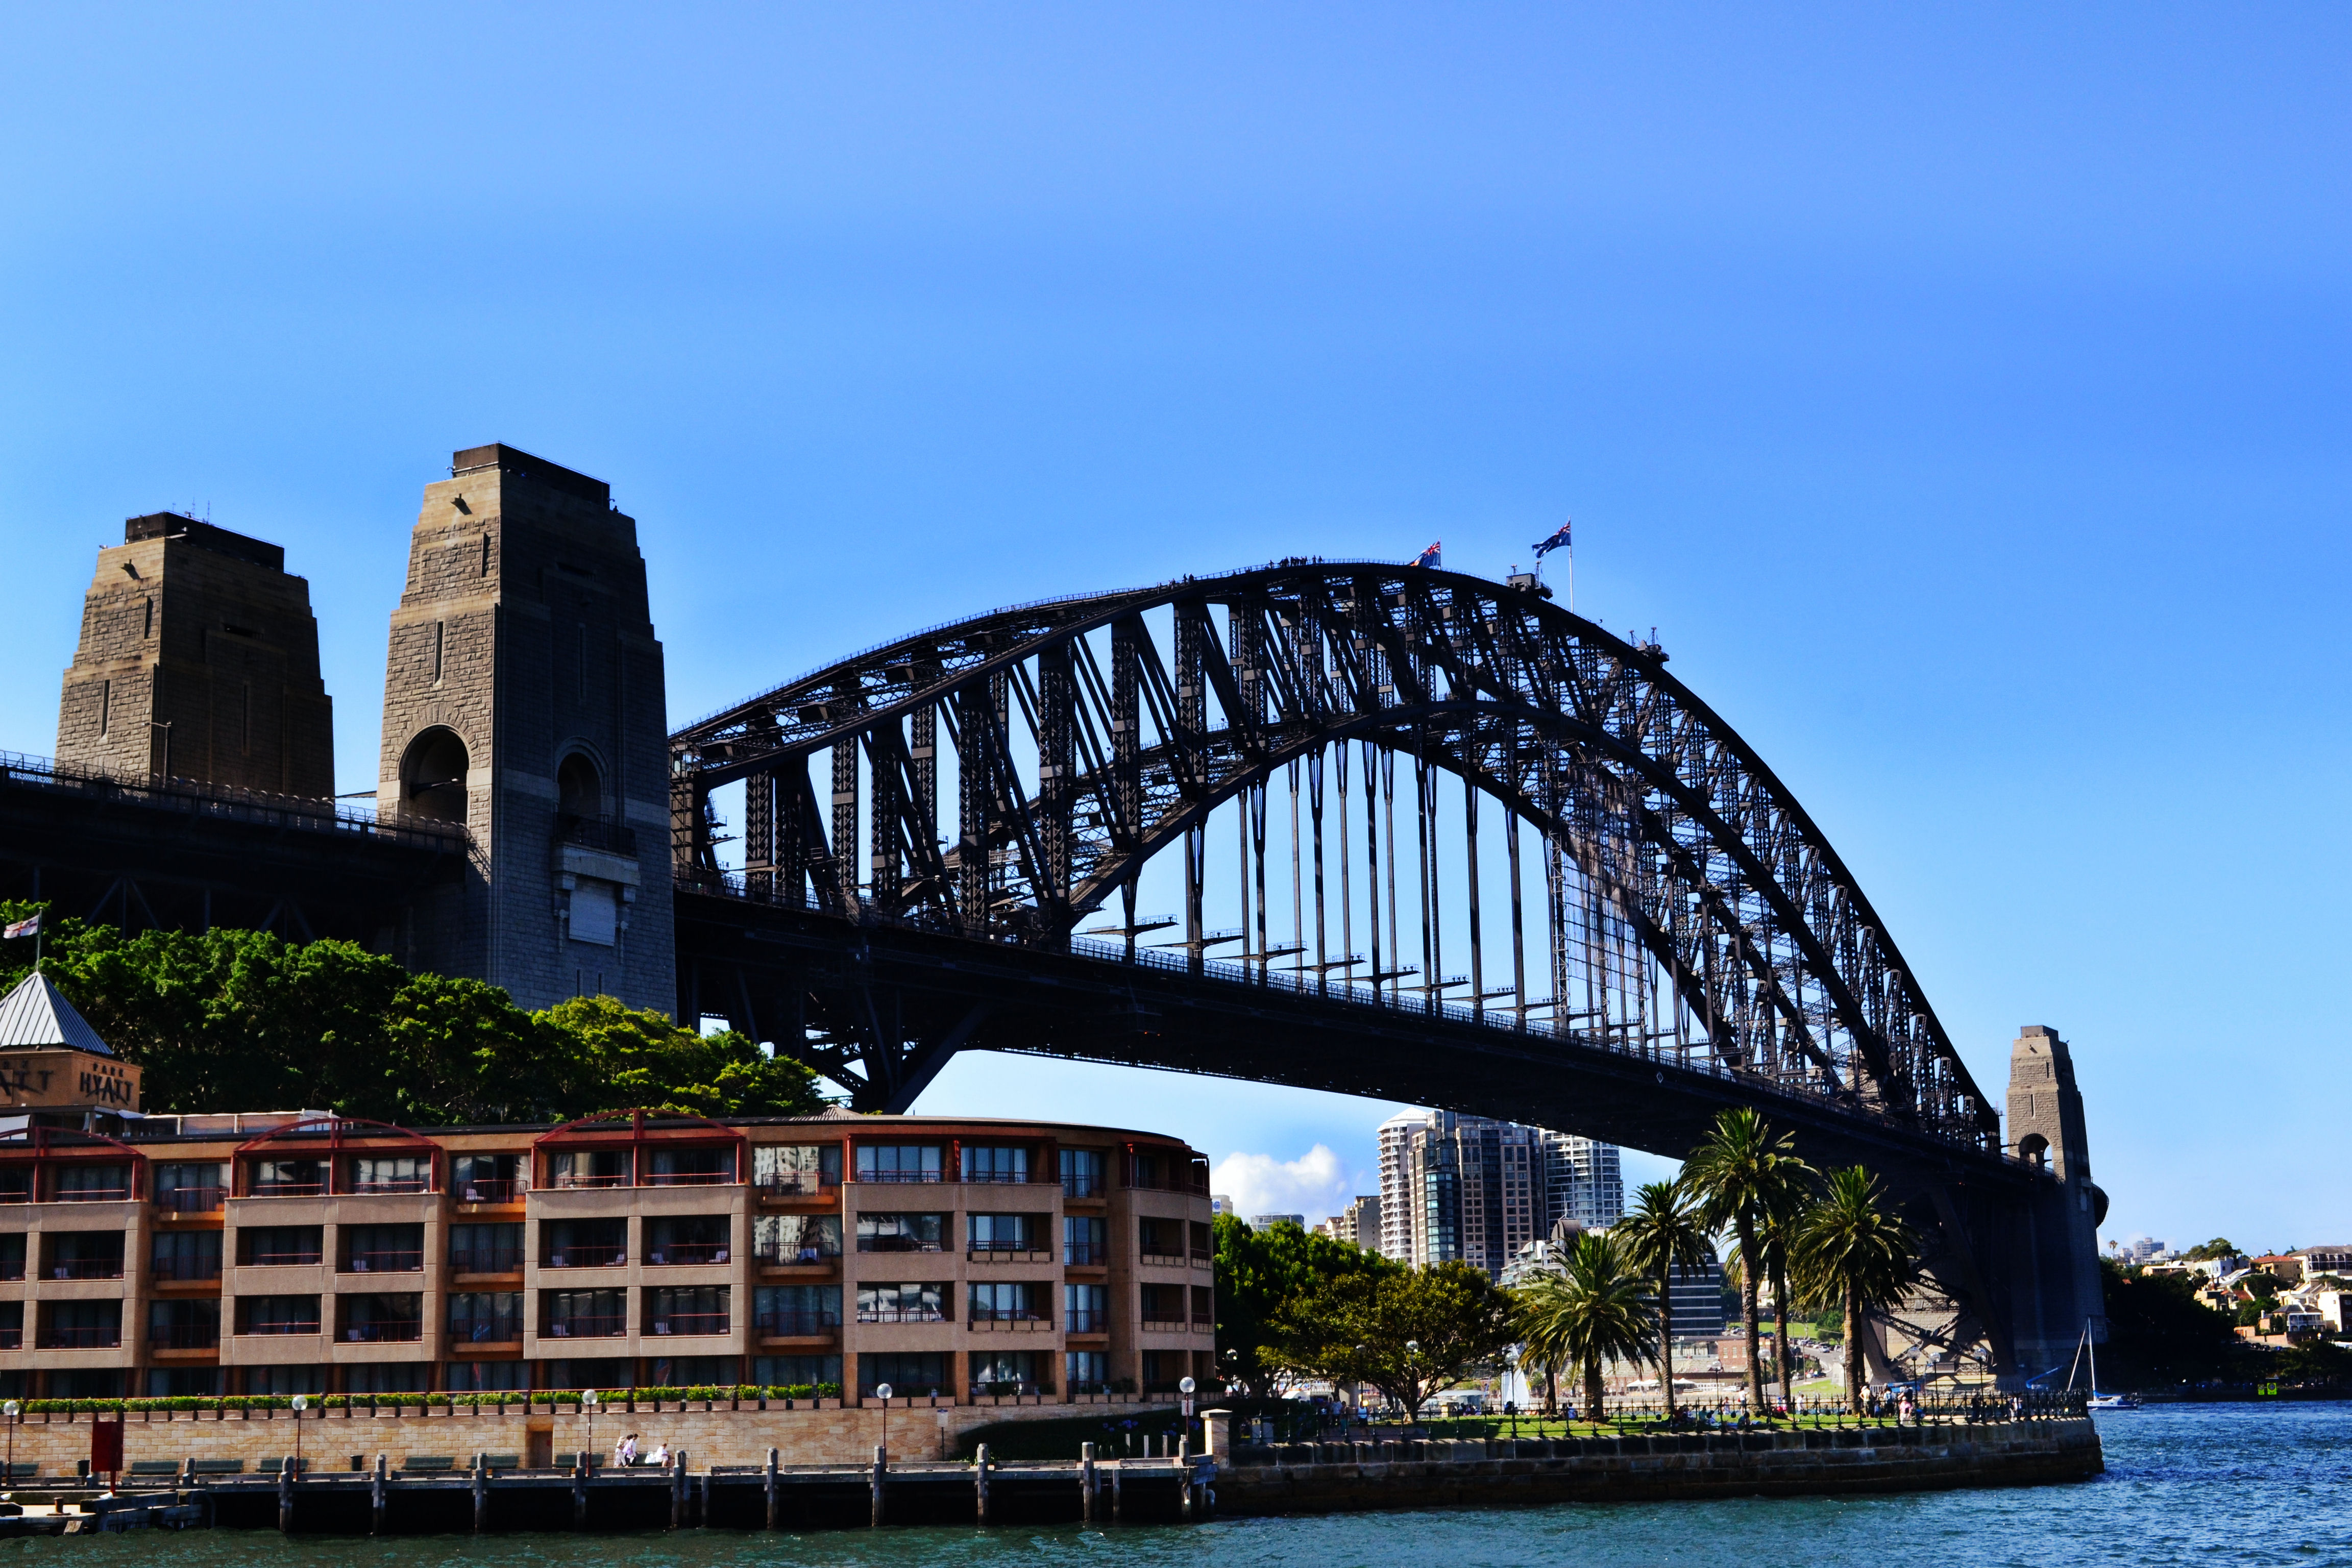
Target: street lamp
(302,1402)
(588,1402)
(1185,1385)
(13,1410)
(882,1392)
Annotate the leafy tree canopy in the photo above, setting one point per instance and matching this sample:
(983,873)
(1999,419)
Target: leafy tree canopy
(1259,1273)
(2220,1247)
(240,1020)
(1408,1332)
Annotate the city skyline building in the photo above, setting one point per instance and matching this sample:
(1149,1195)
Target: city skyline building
(1477,1190)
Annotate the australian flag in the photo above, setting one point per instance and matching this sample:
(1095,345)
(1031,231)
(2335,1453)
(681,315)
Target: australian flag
(1556,541)
(1429,557)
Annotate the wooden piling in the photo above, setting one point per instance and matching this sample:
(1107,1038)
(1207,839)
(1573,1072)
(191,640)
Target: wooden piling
(881,1476)
(285,1496)
(677,1488)
(580,1491)
(481,1492)
(979,1483)
(377,1482)
(768,1481)
(1086,1483)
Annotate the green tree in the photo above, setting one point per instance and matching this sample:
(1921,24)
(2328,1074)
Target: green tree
(1743,1173)
(2159,1333)
(634,1057)
(1851,1250)
(2220,1247)
(1663,1232)
(1409,1332)
(1595,1308)
(1259,1273)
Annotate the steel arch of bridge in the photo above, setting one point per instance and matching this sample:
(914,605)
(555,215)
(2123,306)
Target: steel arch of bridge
(1085,742)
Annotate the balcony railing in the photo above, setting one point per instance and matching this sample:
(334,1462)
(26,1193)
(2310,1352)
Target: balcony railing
(497,1190)
(1016,1318)
(588,1326)
(91,1195)
(902,1314)
(588,1257)
(12,1269)
(191,1200)
(691,1323)
(995,1178)
(486,1260)
(86,1269)
(796,1257)
(12,1339)
(901,1176)
(897,1243)
(1163,1325)
(393,1185)
(288,1190)
(204,1267)
(680,1253)
(99,1336)
(1020,1244)
(14,1194)
(1086,1253)
(571,1180)
(492,1330)
(790,1325)
(385,1330)
(280,1326)
(392,1261)
(798,1185)
(309,1258)
(1082,1186)
(1085,1320)
(688,1178)
(184,1336)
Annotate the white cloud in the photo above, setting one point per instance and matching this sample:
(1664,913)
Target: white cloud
(1314,1184)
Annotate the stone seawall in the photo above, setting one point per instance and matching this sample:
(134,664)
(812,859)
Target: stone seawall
(331,1438)
(1316,1478)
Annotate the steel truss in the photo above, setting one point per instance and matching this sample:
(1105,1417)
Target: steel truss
(1691,912)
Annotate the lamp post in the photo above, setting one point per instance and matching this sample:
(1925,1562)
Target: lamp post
(1185,1385)
(882,1392)
(588,1402)
(13,1410)
(1411,1355)
(302,1402)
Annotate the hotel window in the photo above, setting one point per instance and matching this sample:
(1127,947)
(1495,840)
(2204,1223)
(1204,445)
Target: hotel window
(392,1173)
(899,1161)
(916,1375)
(190,1188)
(487,1178)
(185,1255)
(794,1238)
(1011,1372)
(922,1302)
(812,1373)
(1085,1372)
(674,1239)
(1085,1240)
(277,1314)
(900,1231)
(1082,1173)
(486,1316)
(687,1309)
(1008,1302)
(279,1245)
(782,1311)
(1085,1308)
(588,1168)
(1007,1232)
(995,1162)
(788,1170)
(485,1248)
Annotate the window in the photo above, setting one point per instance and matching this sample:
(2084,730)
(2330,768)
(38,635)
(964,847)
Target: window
(16,1184)
(1009,1372)
(590,1371)
(383,1249)
(1164,1368)
(584,1314)
(586,1243)
(1163,1306)
(184,1325)
(486,1316)
(285,1380)
(387,1377)
(687,1309)
(687,1238)
(900,1231)
(1007,1301)
(289,1178)
(486,1248)
(783,1310)
(803,1169)
(190,1188)
(12,1325)
(86,1383)
(1082,1173)
(691,1167)
(916,1303)
(12,1256)
(812,1374)
(1085,1240)
(899,1161)
(696,1372)
(185,1255)
(386,1319)
(1085,1308)
(1162,1240)
(277,1314)
(1005,1232)
(589,1168)
(184,1382)
(1204,1310)
(391,1173)
(1203,1244)
(917,1376)
(278,1245)
(486,1377)
(797,1238)
(82,1255)
(93,1184)
(995,1162)
(487,1178)
(81,1325)
(1085,1372)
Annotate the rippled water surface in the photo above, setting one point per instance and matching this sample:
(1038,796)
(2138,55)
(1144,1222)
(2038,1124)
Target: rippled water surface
(2210,1484)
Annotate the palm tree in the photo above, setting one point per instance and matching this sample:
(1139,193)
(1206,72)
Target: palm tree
(1776,1234)
(1536,1309)
(1662,1234)
(1849,1250)
(1593,1311)
(1741,1173)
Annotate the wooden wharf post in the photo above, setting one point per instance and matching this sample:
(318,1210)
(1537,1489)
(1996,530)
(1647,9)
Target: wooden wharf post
(979,1483)
(286,1495)
(580,1491)
(881,1476)
(768,1481)
(481,1492)
(677,1488)
(1086,1483)
(376,1483)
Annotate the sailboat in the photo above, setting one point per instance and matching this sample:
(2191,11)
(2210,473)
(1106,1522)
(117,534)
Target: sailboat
(2097,1401)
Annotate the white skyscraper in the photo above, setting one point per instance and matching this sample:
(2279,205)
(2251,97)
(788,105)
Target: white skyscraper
(1476,1190)
(1582,1180)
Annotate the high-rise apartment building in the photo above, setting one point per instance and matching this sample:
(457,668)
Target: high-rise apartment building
(1477,1190)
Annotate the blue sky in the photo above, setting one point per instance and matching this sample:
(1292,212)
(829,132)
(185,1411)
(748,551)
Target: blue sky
(1961,391)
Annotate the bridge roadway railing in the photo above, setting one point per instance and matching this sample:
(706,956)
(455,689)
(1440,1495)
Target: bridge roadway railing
(1343,992)
(227,803)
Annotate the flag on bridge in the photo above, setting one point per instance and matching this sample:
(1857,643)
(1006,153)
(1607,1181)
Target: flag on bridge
(1556,541)
(1429,557)
(29,926)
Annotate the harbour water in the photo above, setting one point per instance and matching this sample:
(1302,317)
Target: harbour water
(2245,1484)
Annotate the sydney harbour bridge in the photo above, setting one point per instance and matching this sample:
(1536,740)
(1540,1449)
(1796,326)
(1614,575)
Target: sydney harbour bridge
(1430,838)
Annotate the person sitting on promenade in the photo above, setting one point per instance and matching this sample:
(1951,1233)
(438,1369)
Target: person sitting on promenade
(660,1459)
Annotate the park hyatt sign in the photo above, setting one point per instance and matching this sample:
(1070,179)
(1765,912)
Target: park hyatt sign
(42,1078)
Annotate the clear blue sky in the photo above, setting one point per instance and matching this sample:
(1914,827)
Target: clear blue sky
(1960,389)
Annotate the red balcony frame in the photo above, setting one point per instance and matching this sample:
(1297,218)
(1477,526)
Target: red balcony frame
(45,1149)
(343,1136)
(642,1131)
